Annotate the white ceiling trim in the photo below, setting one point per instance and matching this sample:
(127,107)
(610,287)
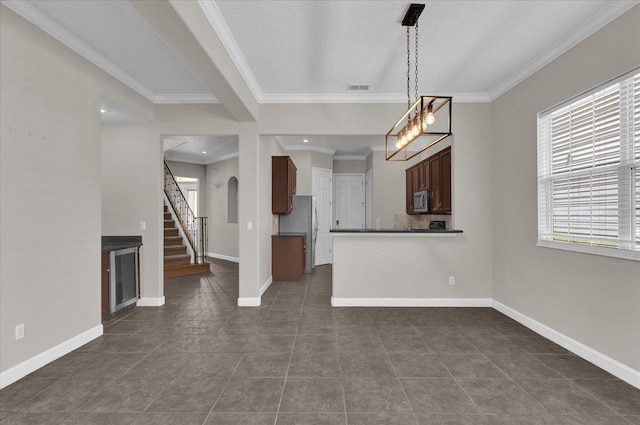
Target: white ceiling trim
(57,31)
(366,98)
(590,26)
(350,157)
(185,98)
(213,14)
(312,148)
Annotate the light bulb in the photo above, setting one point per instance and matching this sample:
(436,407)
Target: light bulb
(398,145)
(416,126)
(430,117)
(423,121)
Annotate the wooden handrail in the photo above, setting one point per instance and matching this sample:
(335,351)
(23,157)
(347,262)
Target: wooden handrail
(184,202)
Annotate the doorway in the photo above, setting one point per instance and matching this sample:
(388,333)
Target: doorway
(350,197)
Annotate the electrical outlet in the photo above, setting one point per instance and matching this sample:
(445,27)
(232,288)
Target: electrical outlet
(452,281)
(20,331)
(143,225)
(249,225)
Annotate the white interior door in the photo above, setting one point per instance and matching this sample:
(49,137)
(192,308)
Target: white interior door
(368,196)
(321,189)
(349,201)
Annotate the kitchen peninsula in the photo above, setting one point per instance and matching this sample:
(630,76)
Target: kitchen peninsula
(400,268)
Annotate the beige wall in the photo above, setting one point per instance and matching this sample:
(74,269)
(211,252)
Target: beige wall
(349,166)
(369,267)
(50,189)
(196,171)
(130,196)
(594,300)
(223,236)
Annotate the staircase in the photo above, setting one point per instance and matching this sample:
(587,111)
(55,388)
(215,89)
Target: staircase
(177,262)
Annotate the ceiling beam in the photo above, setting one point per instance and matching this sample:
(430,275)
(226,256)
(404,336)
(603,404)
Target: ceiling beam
(185,28)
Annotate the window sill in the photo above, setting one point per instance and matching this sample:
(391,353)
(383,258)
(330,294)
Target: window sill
(593,250)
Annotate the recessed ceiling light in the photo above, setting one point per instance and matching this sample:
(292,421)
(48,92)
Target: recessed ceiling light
(102,110)
(305,140)
(204,151)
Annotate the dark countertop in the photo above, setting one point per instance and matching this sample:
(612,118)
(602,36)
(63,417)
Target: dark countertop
(395,231)
(288,235)
(116,243)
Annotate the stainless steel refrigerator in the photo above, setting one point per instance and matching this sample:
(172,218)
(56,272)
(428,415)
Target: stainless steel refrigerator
(302,219)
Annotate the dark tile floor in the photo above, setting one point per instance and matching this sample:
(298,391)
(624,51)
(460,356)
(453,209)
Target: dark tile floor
(295,360)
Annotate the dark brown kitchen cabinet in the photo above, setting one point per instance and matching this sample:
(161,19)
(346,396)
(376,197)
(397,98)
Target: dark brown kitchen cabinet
(288,256)
(409,193)
(445,181)
(433,174)
(423,175)
(283,184)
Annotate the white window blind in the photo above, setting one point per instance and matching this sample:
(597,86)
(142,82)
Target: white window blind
(589,171)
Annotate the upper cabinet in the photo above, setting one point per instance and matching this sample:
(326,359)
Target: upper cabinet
(283,184)
(433,174)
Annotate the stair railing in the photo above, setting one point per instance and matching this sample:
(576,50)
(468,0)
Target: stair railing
(195,228)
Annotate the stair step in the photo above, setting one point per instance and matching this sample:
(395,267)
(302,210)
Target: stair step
(171,232)
(172,240)
(186,269)
(175,250)
(169,224)
(176,260)
(167,216)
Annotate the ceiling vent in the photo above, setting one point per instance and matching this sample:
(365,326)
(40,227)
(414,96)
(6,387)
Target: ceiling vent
(358,87)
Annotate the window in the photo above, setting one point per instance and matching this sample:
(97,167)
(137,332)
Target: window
(589,171)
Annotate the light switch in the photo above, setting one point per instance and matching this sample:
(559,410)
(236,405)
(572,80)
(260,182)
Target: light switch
(249,225)
(143,225)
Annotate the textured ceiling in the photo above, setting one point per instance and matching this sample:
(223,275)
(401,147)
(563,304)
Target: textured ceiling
(309,51)
(192,148)
(114,35)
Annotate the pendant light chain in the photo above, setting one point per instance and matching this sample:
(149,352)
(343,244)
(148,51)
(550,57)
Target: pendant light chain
(408,69)
(416,61)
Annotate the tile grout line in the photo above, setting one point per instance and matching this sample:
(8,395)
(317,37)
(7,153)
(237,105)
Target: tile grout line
(295,338)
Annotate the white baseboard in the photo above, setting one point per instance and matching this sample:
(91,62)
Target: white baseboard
(601,360)
(223,257)
(266,285)
(410,302)
(249,302)
(150,302)
(28,366)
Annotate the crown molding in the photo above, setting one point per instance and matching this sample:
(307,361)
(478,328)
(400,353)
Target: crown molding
(184,98)
(205,161)
(312,148)
(607,14)
(213,14)
(364,98)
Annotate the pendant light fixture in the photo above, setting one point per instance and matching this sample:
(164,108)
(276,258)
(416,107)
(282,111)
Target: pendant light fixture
(428,119)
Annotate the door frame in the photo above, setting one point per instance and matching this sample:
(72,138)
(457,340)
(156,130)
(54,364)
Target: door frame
(330,209)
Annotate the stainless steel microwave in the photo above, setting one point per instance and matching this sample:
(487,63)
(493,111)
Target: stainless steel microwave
(421,201)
